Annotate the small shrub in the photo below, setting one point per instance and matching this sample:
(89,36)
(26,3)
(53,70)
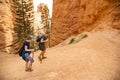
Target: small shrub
(84,36)
(72,41)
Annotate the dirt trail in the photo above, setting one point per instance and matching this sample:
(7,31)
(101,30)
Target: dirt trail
(96,57)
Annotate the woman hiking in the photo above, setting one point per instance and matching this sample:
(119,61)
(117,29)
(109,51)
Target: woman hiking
(26,54)
(42,39)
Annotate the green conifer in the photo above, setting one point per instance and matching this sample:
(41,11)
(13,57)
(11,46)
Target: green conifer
(24,18)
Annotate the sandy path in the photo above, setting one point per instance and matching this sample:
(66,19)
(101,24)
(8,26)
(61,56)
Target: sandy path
(94,58)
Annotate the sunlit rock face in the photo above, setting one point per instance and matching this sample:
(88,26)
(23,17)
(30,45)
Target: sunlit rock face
(75,16)
(8,35)
(8,38)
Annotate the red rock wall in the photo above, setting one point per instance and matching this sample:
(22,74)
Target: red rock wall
(8,38)
(75,16)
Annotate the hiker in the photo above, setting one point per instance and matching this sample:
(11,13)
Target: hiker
(26,54)
(42,39)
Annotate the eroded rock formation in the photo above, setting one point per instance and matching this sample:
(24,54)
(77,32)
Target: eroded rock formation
(75,16)
(8,38)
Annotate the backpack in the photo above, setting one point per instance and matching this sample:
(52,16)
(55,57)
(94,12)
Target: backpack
(38,38)
(20,51)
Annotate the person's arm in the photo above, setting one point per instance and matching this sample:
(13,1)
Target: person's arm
(26,49)
(42,40)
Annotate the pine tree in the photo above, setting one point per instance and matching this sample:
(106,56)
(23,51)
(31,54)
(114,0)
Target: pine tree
(44,17)
(23,19)
(43,8)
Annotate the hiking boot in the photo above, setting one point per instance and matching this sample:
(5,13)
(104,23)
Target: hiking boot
(27,69)
(30,69)
(44,57)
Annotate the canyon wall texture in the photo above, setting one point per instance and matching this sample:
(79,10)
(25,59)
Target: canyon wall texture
(75,16)
(8,37)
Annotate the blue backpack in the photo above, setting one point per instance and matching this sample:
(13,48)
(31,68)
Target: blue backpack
(20,51)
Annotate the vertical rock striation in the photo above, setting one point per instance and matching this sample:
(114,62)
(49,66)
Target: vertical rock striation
(75,16)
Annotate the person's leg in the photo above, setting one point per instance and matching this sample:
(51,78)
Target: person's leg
(43,54)
(40,57)
(43,49)
(27,66)
(30,66)
(30,61)
(27,62)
